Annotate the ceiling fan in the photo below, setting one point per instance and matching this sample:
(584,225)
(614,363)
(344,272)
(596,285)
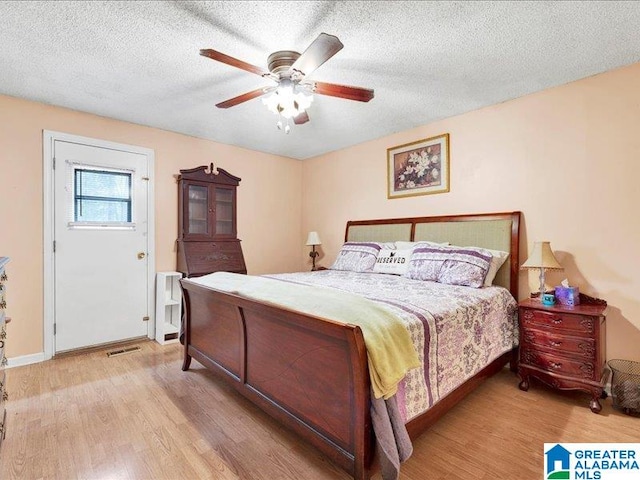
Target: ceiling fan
(292,93)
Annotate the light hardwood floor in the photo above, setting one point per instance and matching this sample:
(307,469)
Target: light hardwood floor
(138,416)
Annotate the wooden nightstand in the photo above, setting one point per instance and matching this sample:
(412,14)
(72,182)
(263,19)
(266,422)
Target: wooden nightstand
(564,346)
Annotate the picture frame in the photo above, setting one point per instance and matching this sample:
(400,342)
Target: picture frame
(418,168)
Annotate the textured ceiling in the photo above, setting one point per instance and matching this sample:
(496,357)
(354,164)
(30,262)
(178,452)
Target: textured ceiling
(140,62)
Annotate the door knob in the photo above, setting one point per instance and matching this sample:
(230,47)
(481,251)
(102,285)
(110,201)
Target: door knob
(141,255)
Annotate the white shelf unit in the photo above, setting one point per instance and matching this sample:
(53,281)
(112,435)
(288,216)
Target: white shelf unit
(168,307)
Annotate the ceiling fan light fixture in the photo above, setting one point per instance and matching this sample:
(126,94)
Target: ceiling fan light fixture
(288,101)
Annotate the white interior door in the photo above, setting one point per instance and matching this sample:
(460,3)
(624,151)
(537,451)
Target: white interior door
(100,245)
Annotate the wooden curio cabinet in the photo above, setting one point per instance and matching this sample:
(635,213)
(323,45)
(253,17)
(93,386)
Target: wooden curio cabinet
(208,240)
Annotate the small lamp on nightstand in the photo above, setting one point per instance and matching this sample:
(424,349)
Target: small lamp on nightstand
(312,240)
(542,257)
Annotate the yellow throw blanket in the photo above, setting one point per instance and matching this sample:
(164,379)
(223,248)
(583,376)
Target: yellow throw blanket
(390,350)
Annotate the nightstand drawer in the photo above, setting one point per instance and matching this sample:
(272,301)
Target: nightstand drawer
(563,344)
(560,365)
(581,325)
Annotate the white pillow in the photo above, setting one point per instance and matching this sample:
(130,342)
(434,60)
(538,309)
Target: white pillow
(393,261)
(498,257)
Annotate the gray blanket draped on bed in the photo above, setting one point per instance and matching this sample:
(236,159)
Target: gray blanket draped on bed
(393,444)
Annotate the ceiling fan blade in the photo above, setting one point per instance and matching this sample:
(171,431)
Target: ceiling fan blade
(321,49)
(343,91)
(232,102)
(234,62)
(301,118)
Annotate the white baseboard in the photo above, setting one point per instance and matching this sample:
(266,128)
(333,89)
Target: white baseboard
(25,360)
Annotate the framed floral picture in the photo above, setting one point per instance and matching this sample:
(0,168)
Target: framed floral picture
(418,168)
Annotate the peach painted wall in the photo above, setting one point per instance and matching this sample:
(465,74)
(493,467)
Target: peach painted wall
(269,200)
(568,158)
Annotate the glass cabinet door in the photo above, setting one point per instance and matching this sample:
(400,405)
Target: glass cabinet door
(198,208)
(224,212)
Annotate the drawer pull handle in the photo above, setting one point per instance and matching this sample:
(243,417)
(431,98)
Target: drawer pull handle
(553,343)
(555,365)
(557,320)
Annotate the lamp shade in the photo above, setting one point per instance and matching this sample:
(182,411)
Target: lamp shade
(542,257)
(313,239)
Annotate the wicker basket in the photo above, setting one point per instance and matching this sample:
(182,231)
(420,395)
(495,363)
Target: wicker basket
(625,385)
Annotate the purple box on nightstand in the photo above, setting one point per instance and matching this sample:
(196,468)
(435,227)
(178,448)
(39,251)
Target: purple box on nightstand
(568,296)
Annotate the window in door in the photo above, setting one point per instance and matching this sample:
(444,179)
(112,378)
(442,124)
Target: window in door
(102,198)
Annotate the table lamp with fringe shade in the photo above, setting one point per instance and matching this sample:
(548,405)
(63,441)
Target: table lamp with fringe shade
(542,257)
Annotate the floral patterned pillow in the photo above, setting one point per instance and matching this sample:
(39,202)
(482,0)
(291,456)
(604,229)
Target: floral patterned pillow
(450,265)
(357,256)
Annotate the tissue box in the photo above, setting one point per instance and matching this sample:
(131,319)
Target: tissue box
(568,296)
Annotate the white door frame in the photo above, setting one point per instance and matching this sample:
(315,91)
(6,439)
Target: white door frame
(48,139)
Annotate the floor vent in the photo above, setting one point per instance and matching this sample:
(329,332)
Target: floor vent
(122,351)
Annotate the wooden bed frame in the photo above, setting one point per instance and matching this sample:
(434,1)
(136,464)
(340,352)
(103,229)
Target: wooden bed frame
(311,373)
